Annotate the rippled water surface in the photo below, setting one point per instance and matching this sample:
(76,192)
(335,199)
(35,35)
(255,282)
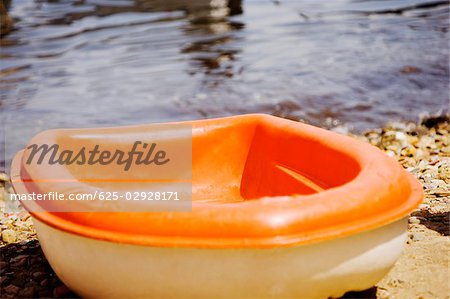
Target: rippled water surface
(80,63)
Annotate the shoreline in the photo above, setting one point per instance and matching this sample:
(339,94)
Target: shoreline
(421,272)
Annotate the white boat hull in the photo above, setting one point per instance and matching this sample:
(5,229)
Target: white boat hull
(101,269)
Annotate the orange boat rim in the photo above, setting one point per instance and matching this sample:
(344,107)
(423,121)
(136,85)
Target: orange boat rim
(258,181)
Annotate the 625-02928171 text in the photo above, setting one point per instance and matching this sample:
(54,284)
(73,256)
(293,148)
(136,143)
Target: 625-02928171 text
(98,195)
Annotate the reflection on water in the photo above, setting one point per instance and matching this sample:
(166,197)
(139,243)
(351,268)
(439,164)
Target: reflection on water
(80,63)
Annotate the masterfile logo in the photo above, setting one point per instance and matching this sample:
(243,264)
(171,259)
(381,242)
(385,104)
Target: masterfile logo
(140,153)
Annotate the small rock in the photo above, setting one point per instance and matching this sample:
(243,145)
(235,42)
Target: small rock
(409,69)
(423,206)
(11,289)
(44,283)
(390,153)
(382,294)
(61,292)
(4,280)
(432,121)
(402,138)
(4,177)
(19,279)
(417,236)
(27,292)
(18,261)
(8,236)
(414,220)
(37,276)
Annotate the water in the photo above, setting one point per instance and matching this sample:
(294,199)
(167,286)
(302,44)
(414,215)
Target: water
(85,63)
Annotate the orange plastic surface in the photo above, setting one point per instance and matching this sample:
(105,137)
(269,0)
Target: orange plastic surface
(258,182)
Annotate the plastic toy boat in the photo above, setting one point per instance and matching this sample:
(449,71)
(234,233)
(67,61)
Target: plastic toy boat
(280,209)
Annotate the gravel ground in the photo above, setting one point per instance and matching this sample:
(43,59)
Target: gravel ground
(421,272)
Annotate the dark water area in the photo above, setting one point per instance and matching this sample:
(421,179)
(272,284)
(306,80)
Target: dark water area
(90,63)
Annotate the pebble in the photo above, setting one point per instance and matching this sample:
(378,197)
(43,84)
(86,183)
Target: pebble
(414,220)
(4,177)
(423,206)
(44,283)
(9,236)
(12,289)
(18,261)
(61,292)
(390,153)
(27,292)
(383,294)
(410,70)
(37,276)
(415,236)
